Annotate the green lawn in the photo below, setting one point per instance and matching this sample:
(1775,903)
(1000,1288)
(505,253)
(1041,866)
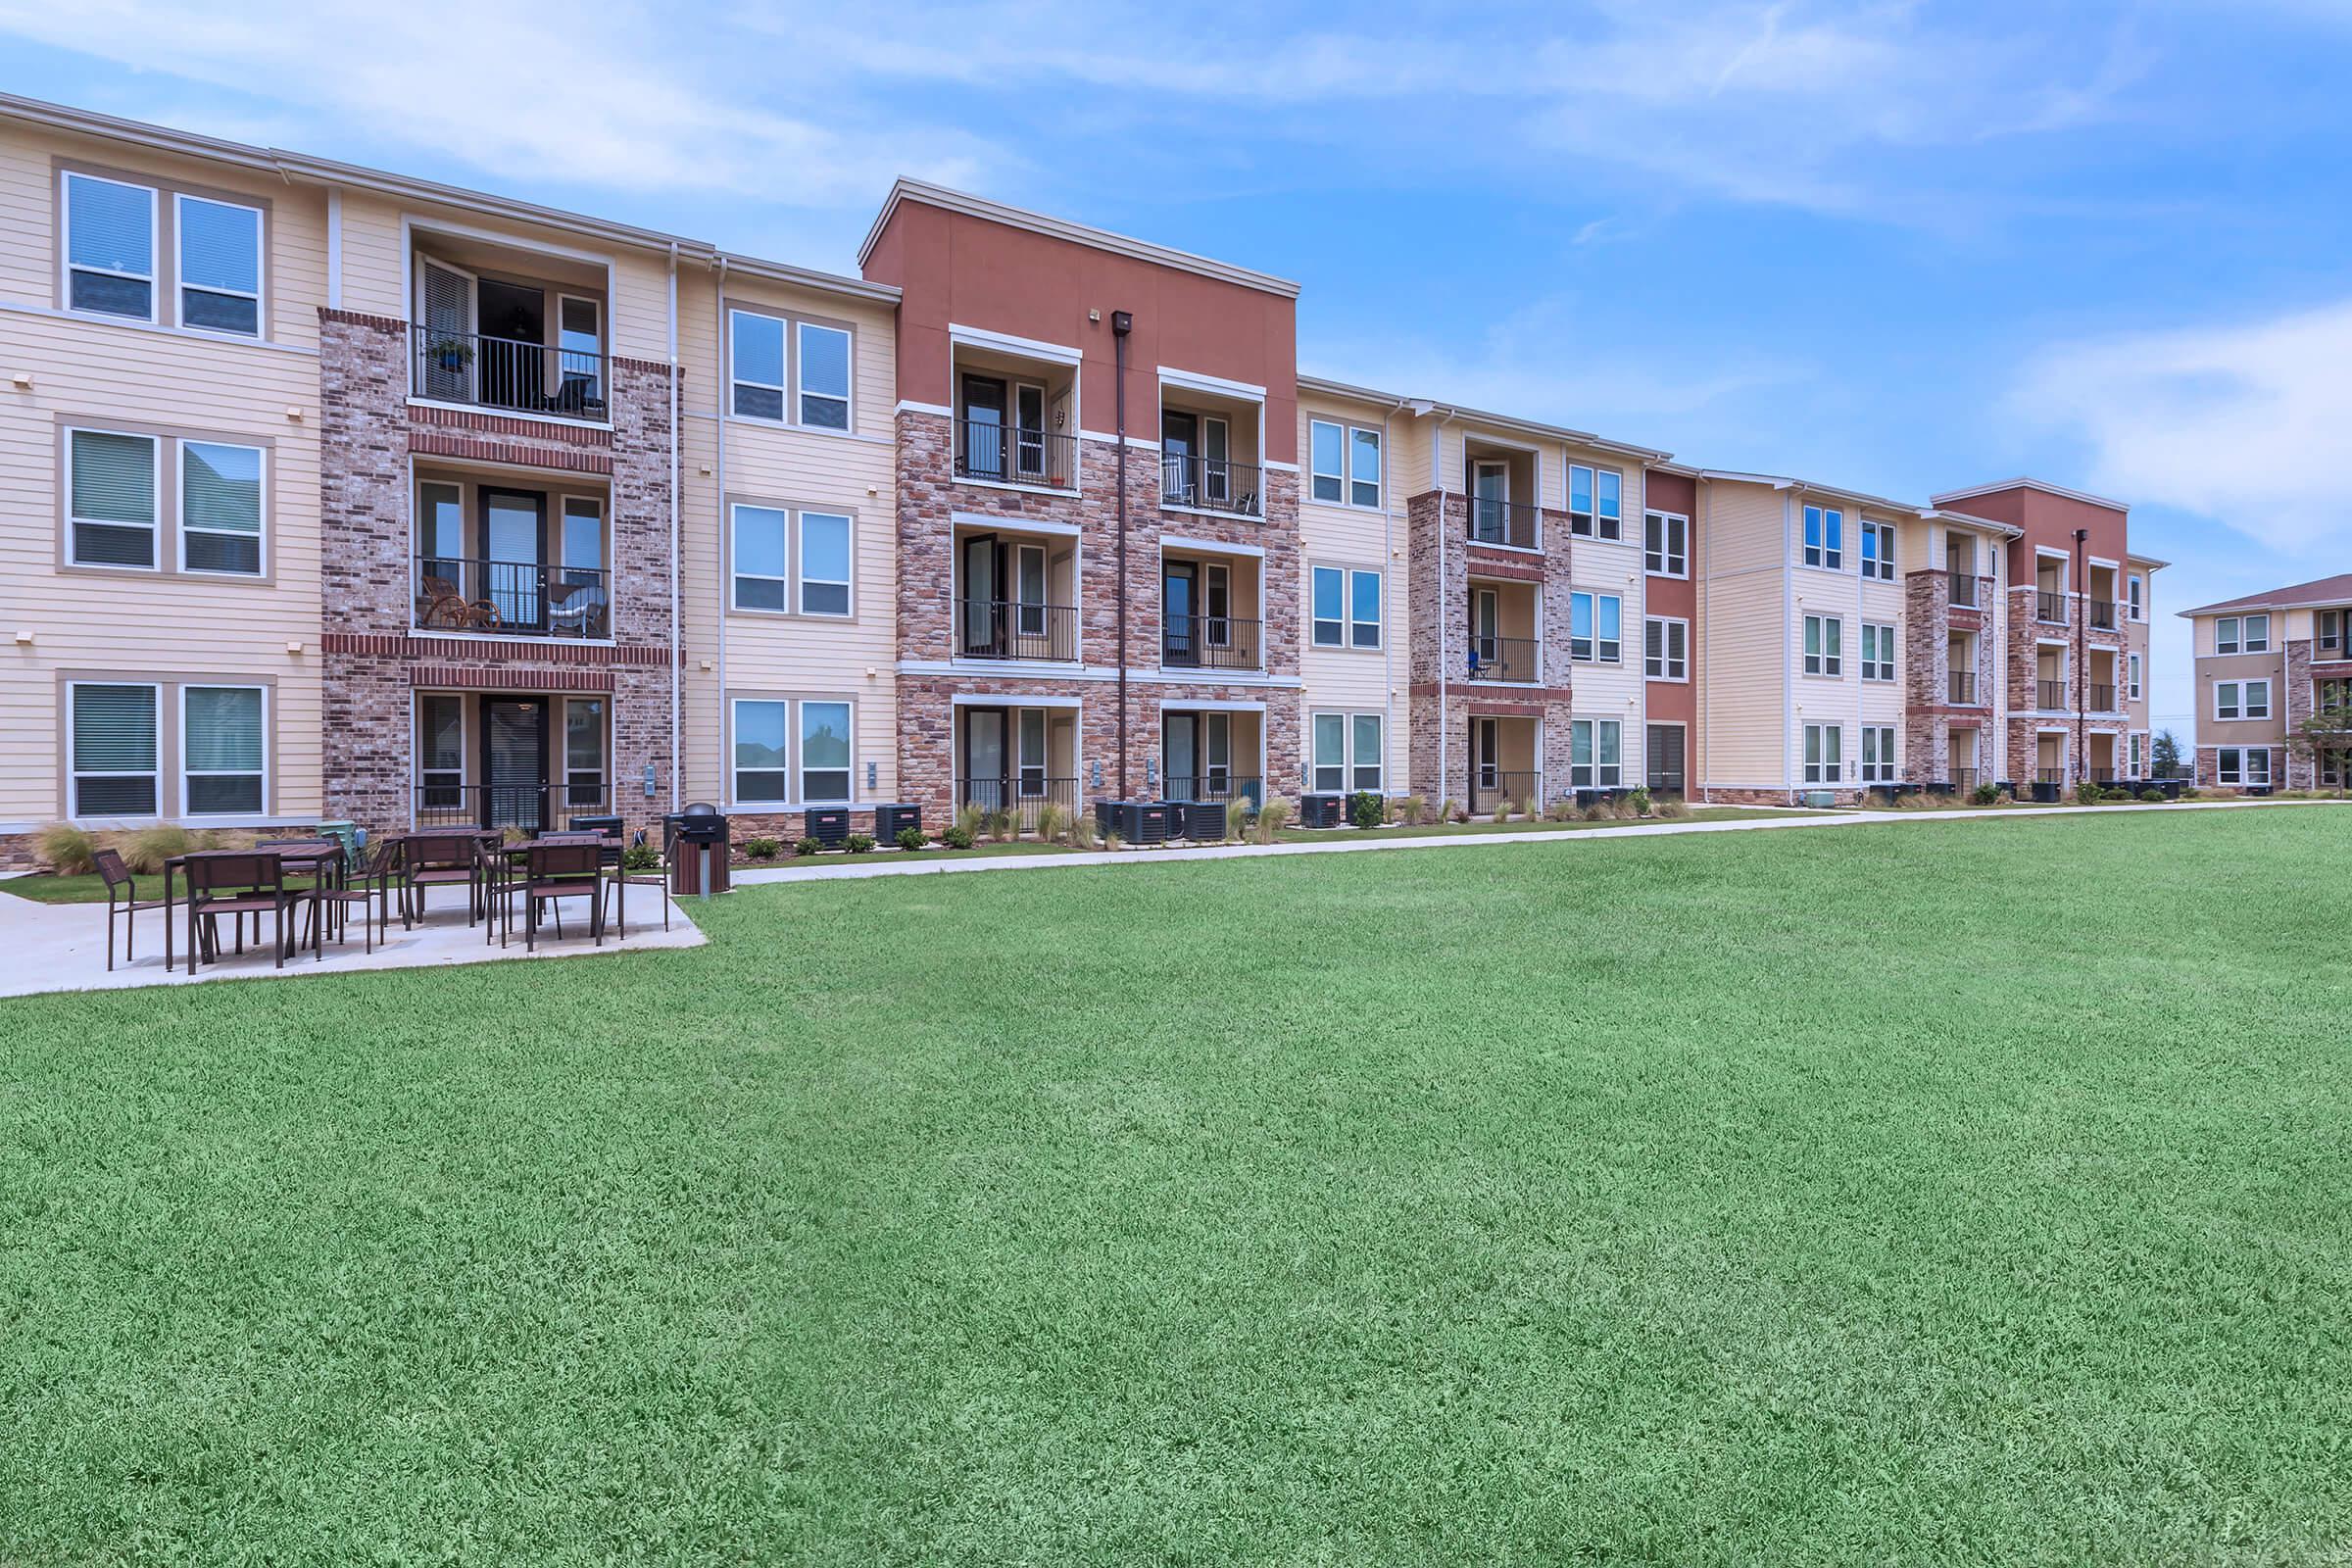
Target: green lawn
(1958,1192)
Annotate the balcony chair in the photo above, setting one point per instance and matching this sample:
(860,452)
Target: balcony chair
(555,871)
(235,885)
(122,899)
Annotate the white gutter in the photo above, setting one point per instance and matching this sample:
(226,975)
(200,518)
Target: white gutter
(676,647)
(1436,474)
(726,781)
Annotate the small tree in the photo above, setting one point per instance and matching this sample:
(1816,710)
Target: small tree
(2164,758)
(2328,729)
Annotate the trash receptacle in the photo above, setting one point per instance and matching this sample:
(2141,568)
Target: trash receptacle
(698,850)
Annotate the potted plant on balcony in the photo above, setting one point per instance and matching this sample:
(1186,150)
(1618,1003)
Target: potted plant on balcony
(450,354)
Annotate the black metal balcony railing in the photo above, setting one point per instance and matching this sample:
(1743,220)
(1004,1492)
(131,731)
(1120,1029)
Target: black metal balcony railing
(2049,776)
(1960,685)
(2049,606)
(1007,628)
(1215,786)
(1511,659)
(2102,700)
(528,806)
(499,373)
(1020,799)
(2102,613)
(2102,775)
(1208,641)
(1490,788)
(2050,696)
(992,450)
(1960,589)
(1212,484)
(512,598)
(1505,523)
(1960,781)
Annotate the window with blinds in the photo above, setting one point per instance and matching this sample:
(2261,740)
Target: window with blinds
(220,266)
(222,749)
(112,748)
(110,499)
(110,247)
(220,507)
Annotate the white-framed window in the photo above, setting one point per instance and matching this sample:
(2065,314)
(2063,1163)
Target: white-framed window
(1363,467)
(763,726)
(2248,766)
(2241,634)
(1878,651)
(1666,544)
(1878,753)
(2131,675)
(823,362)
(109,246)
(1342,463)
(1346,753)
(755,361)
(1824,538)
(2140,755)
(761,553)
(1666,648)
(1825,754)
(114,745)
(1363,608)
(1825,645)
(2137,586)
(2242,699)
(1595,754)
(2330,631)
(1345,608)
(220,508)
(224,749)
(1328,610)
(113,499)
(219,265)
(1596,502)
(825,750)
(1878,549)
(824,564)
(1595,627)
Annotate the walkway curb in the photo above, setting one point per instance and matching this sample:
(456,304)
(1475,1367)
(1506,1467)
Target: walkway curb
(756,877)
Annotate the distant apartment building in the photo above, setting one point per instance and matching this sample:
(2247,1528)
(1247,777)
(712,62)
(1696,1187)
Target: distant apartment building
(2266,665)
(341,494)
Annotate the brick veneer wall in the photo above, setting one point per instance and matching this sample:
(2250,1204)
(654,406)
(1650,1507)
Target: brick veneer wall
(930,500)
(2300,701)
(1930,717)
(373,659)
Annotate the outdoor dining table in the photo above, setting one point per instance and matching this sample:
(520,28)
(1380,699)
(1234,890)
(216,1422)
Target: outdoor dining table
(316,862)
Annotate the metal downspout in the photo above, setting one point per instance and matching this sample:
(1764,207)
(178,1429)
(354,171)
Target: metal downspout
(677,651)
(1122,323)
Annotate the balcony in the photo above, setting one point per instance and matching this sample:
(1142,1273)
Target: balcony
(512,598)
(1960,780)
(1960,686)
(1217,784)
(1504,658)
(1017,801)
(2049,606)
(2102,614)
(509,375)
(2102,700)
(2050,696)
(1495,522)
(990,450)
(1960,590)
(1212,484)
(1016,629)
(528,806)
(1491,786)
(1209,642)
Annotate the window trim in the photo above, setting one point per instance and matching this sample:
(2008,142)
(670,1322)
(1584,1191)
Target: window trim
(736,381)
(1345,626)
(2240,708)
(1662,553)
(1878,564)
(1594,642)
(847,397)
(72,775)
(1886,769)
(1378,624)
(2239,642)
(795,578)
(798,562)
(793,765)
(2223,771)
(65,246)
(181,528)
(179,269)
(2131,676)
(1820,551)
(1313,474)
(798,734)
(1821,661)
(2135,584)
(1680,667)
(1358,433)
(1816,764)
(1349,763)
(1592,766)
(73,521)
(735,769)
(181,751)
(1881,669)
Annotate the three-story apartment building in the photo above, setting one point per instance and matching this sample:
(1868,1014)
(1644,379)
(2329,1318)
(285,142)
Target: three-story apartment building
(2267,664)
(337,494)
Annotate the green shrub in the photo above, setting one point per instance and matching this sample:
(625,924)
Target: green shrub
(912,839)
(67,849)
(802,847)
(2153,797)
(1365,808)
(2087,793)
(973,820)
(861,843)
(640,858)
(1984,794)
(1638,800)
(146,851)
(761,848)
(1562,810)
(1411,809)
(956,837)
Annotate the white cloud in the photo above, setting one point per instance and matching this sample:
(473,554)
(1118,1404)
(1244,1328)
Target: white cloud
(583,94)
(2250,425)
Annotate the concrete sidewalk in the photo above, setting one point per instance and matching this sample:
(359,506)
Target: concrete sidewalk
(890,863)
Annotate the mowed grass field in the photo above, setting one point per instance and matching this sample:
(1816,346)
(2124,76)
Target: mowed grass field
(1919,1193)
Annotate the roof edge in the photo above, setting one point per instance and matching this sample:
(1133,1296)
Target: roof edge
(2027,483)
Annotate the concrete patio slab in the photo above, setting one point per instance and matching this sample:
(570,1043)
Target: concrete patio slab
(62,947)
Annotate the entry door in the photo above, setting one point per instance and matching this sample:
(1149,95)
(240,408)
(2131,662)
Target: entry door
(1216,604)
(1180,756)
(1216,747)
(984,757)
(1031,726)
(984,453)
(1179,442)
(1487,757)
(1665,752)
(514,544)
(982,589)
(1491,486)
(1178,606)
(514,362)
(514,762)
(1490,626)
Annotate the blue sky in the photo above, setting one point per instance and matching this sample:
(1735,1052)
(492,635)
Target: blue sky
(1901,246)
